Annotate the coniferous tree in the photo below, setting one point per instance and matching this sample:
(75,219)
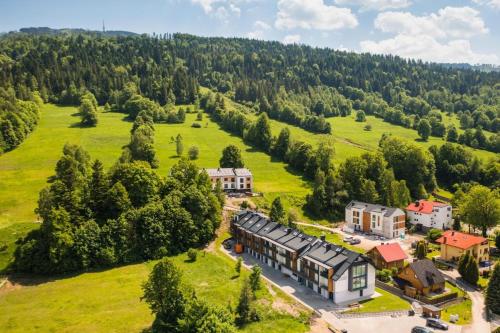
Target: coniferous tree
(179,146)
(277,213)
(493,291)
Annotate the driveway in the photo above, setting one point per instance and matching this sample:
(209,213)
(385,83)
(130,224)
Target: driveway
(326,309)
(479,322)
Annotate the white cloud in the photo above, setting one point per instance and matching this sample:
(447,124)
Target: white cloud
(313,14)
(438,37)
(291,39)
(428,49)
(458,22)
(495,4)
(259,30)
(375,4)
(221,9)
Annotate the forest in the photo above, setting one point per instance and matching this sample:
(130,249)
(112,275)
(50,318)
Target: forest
(92,217)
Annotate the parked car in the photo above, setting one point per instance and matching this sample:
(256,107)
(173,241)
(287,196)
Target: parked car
(485,263)
(347,239)
(420,329)
(355,241)
(437,323)
(228,243)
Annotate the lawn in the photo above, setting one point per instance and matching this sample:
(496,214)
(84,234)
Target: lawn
(463,309)
(385,302)
(109,301)
(330,237)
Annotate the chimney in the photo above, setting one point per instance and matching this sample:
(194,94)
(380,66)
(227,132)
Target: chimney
(417,203)
(453,233)
(328,246)
(288,230)
(323,238)
(444,239)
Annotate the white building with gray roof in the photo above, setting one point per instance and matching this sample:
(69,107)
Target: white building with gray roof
(232,179)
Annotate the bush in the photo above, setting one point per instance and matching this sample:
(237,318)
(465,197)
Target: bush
(199,116)
(192,255)
(244,204)
(196,125)
(434,234)
(384,275)
(193,153)
(368,127)
(3,247)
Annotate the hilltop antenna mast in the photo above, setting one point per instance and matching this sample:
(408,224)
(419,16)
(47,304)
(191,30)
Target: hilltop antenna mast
(103,27)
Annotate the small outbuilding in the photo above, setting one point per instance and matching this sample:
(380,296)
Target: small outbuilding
(387,256)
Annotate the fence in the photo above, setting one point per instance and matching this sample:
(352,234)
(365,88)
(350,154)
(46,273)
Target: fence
(399,292)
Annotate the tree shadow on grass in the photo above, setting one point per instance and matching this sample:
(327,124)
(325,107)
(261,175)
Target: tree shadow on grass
(420,140)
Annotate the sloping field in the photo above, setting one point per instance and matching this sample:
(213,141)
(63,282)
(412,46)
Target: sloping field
(109,301)
(24,171)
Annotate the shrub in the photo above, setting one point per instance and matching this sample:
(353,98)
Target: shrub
(360,116)
(3,247)
(254,278)
(192,255)
(193,153)
(434,234)
(244,204)
(237,268)
(368,127)
(199,116)
(196,125)
(384,275)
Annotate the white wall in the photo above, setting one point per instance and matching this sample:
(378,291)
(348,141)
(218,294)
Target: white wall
(343,295)
(440,219)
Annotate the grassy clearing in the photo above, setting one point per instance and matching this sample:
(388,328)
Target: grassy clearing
(109,301)
(385,302)
(24,171)
(463,309)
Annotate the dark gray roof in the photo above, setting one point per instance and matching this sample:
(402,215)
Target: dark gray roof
(426,272)
(279,233)
(243,216)
(368,207)
(331,255)
(334,256)
(299,241)
(261,223)
(268,228)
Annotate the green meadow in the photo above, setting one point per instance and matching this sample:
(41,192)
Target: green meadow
(351,139)
(109,301)
(24,171)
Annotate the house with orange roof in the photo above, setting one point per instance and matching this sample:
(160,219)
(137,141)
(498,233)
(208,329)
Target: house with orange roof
(387,256)
(425,215)
(454,244)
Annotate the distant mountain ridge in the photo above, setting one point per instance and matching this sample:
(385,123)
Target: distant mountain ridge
(482,67)
(50,31)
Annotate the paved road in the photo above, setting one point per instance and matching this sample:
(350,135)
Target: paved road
(479,322)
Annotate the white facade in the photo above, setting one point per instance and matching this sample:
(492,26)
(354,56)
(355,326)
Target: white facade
(382,221)
(439,218)
(342,294)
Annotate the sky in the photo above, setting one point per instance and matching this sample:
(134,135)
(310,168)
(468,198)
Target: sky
(431,30)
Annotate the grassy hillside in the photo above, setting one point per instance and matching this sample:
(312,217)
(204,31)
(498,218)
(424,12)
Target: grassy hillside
(351,139)
(109,301)
(24,171)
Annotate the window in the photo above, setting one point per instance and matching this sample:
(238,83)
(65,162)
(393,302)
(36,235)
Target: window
(241,186)
(248,185)
(248,179)
(358,277)
(225,179)
(225,186)
(232,179)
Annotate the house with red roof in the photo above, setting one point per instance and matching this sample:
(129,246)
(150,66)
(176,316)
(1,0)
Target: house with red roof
(454,244)
(425,215)
(387,256)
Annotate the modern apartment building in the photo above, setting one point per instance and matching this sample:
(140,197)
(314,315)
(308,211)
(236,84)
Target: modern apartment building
(334,272)
(384,221)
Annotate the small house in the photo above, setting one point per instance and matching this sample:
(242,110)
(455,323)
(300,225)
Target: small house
(387,256)
(454,244)
(422,278)
(425,215)
(232,179)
